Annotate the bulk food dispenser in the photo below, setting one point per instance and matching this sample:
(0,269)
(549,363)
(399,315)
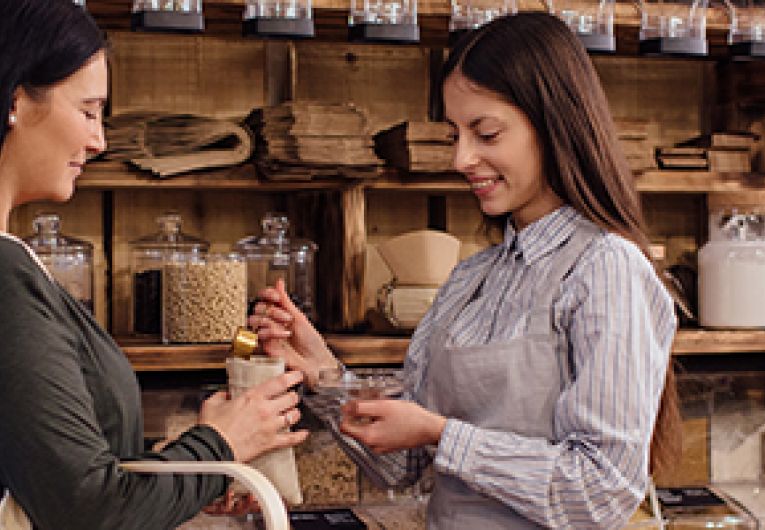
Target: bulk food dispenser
(471,14)
(383,20)
(746,34)
(69,260)
(178,16)
(732,270)
(148,256)
(673,27)
(278,18)
(272,255)
(592,21)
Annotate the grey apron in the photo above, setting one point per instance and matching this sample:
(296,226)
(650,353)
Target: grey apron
(511,387)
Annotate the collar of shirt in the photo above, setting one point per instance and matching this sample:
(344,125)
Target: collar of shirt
(542,236)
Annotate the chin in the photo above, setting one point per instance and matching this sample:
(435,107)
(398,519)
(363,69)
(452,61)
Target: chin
(493,210)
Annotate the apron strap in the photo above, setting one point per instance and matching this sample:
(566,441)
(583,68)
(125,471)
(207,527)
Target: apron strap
(541,317)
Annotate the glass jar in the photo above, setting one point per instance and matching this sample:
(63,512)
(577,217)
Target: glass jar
(278,18)
(383,20)
(593,22)
(746,33)
(675,27)
(148,255)
(272,255)
(731,281)
(69,260)
(472,14)
(183,16)
(204,297)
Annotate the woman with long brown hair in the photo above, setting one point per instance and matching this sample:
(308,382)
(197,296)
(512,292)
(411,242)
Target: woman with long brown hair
(535,380)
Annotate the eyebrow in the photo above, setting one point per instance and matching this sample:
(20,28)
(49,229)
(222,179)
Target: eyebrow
(97,100)
(473,123)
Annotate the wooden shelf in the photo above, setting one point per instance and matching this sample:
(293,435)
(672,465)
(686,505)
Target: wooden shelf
(351,350)
(698,182)
(357,350)
(115,175)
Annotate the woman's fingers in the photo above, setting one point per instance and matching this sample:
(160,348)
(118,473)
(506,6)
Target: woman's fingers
(275,386)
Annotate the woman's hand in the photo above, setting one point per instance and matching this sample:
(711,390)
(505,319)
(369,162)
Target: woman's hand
(233,504)
(257,420)
(390,425)
(285,332)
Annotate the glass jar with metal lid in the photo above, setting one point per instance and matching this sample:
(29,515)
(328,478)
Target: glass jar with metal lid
(148,255)
(69,260)
(272,255)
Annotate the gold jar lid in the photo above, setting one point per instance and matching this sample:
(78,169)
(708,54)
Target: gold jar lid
(244,343)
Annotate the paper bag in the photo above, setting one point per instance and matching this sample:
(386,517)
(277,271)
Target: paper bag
(12,517)
(277,465)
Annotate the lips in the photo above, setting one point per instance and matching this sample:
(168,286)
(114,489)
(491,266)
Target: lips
(483,185)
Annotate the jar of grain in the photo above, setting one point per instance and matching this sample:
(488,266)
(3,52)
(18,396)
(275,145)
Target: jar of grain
(204,297)
(148,255)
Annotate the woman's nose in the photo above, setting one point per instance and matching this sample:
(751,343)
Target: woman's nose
(97,140)
(464,156)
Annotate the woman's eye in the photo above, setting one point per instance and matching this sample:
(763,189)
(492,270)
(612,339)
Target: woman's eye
(488,137)
(453,137)
(90,115)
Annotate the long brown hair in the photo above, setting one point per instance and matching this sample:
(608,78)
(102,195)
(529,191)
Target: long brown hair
(537,64)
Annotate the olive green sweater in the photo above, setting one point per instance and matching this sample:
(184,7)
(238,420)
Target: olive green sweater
(70,411)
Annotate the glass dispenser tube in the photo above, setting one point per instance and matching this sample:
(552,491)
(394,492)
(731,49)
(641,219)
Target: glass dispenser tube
(383,21)
(592,21)
(673,27)
(278,18)
(69,260)
(746,34)
(471,14)
(175,16)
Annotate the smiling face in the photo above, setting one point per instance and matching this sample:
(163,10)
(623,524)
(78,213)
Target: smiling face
(498,152)
(54,133)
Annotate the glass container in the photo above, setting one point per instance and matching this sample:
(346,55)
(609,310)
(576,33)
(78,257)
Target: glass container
(204,297)
(69,260)
(272,255)
(592,21)
(673,27)
(278,18)
(731,281)
(180,16)
(148,255)
(383,20)
(80,3)
(746,34)
(471,14)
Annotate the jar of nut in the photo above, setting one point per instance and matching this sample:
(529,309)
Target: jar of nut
(204,297)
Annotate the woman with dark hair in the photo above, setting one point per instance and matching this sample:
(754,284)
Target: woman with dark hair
(535,380)
(70,406)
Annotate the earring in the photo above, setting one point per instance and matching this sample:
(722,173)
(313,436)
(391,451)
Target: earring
(12,119)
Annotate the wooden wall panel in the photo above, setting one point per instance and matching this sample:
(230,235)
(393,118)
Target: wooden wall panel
(668,91)
(390,82)
(677,221)
(81,217)
(211,76)
(220,217)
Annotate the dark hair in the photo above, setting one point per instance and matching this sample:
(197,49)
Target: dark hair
(537,64)
(42,42)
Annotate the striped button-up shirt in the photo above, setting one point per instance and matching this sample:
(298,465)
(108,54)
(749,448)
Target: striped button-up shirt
(619,324)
